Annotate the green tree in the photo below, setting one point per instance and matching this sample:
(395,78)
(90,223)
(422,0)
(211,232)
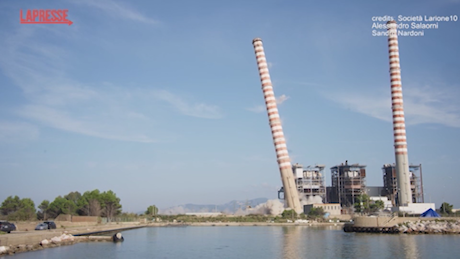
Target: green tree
(10,205)
(289,213)
(27,211)
(59,206)
(110,204)
(90,203)
(18,209)
(446,208)
(151,210)
(316,212)
(377,205)
(73,196)
(43,209)
(362,204)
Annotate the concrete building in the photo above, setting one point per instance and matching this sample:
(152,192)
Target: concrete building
(415,208)
(310,183)
(334,209)
(348,182)
(390,183)
(375,191)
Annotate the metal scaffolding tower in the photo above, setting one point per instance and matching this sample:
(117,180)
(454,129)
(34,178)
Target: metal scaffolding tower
(390,183)
(348,182)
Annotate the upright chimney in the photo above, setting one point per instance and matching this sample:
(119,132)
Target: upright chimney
(399,126)
(290,192)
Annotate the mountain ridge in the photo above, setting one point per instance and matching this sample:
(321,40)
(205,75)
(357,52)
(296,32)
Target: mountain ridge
(229,207)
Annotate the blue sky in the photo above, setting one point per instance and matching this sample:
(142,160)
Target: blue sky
(160,101)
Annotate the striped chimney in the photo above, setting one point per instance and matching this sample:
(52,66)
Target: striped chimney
(290,192)
(399,127)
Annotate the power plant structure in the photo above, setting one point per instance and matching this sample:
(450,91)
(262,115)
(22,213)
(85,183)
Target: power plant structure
(390,183)
(403,176)
(399,126)
(290,192)
(310,184)
(403,183)
(348,182)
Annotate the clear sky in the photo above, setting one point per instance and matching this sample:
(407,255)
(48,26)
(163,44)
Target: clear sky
(161,102)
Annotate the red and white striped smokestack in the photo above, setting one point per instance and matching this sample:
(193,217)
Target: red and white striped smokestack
(290,192)
(399,126)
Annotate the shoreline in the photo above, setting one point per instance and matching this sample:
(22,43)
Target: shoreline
(246,224)
(404,225)
(25,241)
(62,240)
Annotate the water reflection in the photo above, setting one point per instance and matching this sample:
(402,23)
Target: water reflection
(314,242)
(331,242)
(409,246)
(291,242)
(298,242)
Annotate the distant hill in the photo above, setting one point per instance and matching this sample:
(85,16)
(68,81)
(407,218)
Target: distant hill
(230,207)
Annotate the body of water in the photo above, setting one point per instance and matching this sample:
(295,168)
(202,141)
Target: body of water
(257,242)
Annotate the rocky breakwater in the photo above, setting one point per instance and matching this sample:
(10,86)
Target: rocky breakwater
(63,239)
(429,227)
(408,225)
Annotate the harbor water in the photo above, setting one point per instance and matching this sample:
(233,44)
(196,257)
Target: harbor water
(256,242)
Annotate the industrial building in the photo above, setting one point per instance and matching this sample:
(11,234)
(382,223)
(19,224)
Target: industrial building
(375,191)
(390,183)
(334,209)
(348,182)
(403,185)
(310,183)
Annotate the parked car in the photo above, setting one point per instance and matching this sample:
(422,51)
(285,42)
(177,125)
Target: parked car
(7,227)
(51,224)
(41,226)
(13,226)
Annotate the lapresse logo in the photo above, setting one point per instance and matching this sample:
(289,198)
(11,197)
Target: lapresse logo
(42,16)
